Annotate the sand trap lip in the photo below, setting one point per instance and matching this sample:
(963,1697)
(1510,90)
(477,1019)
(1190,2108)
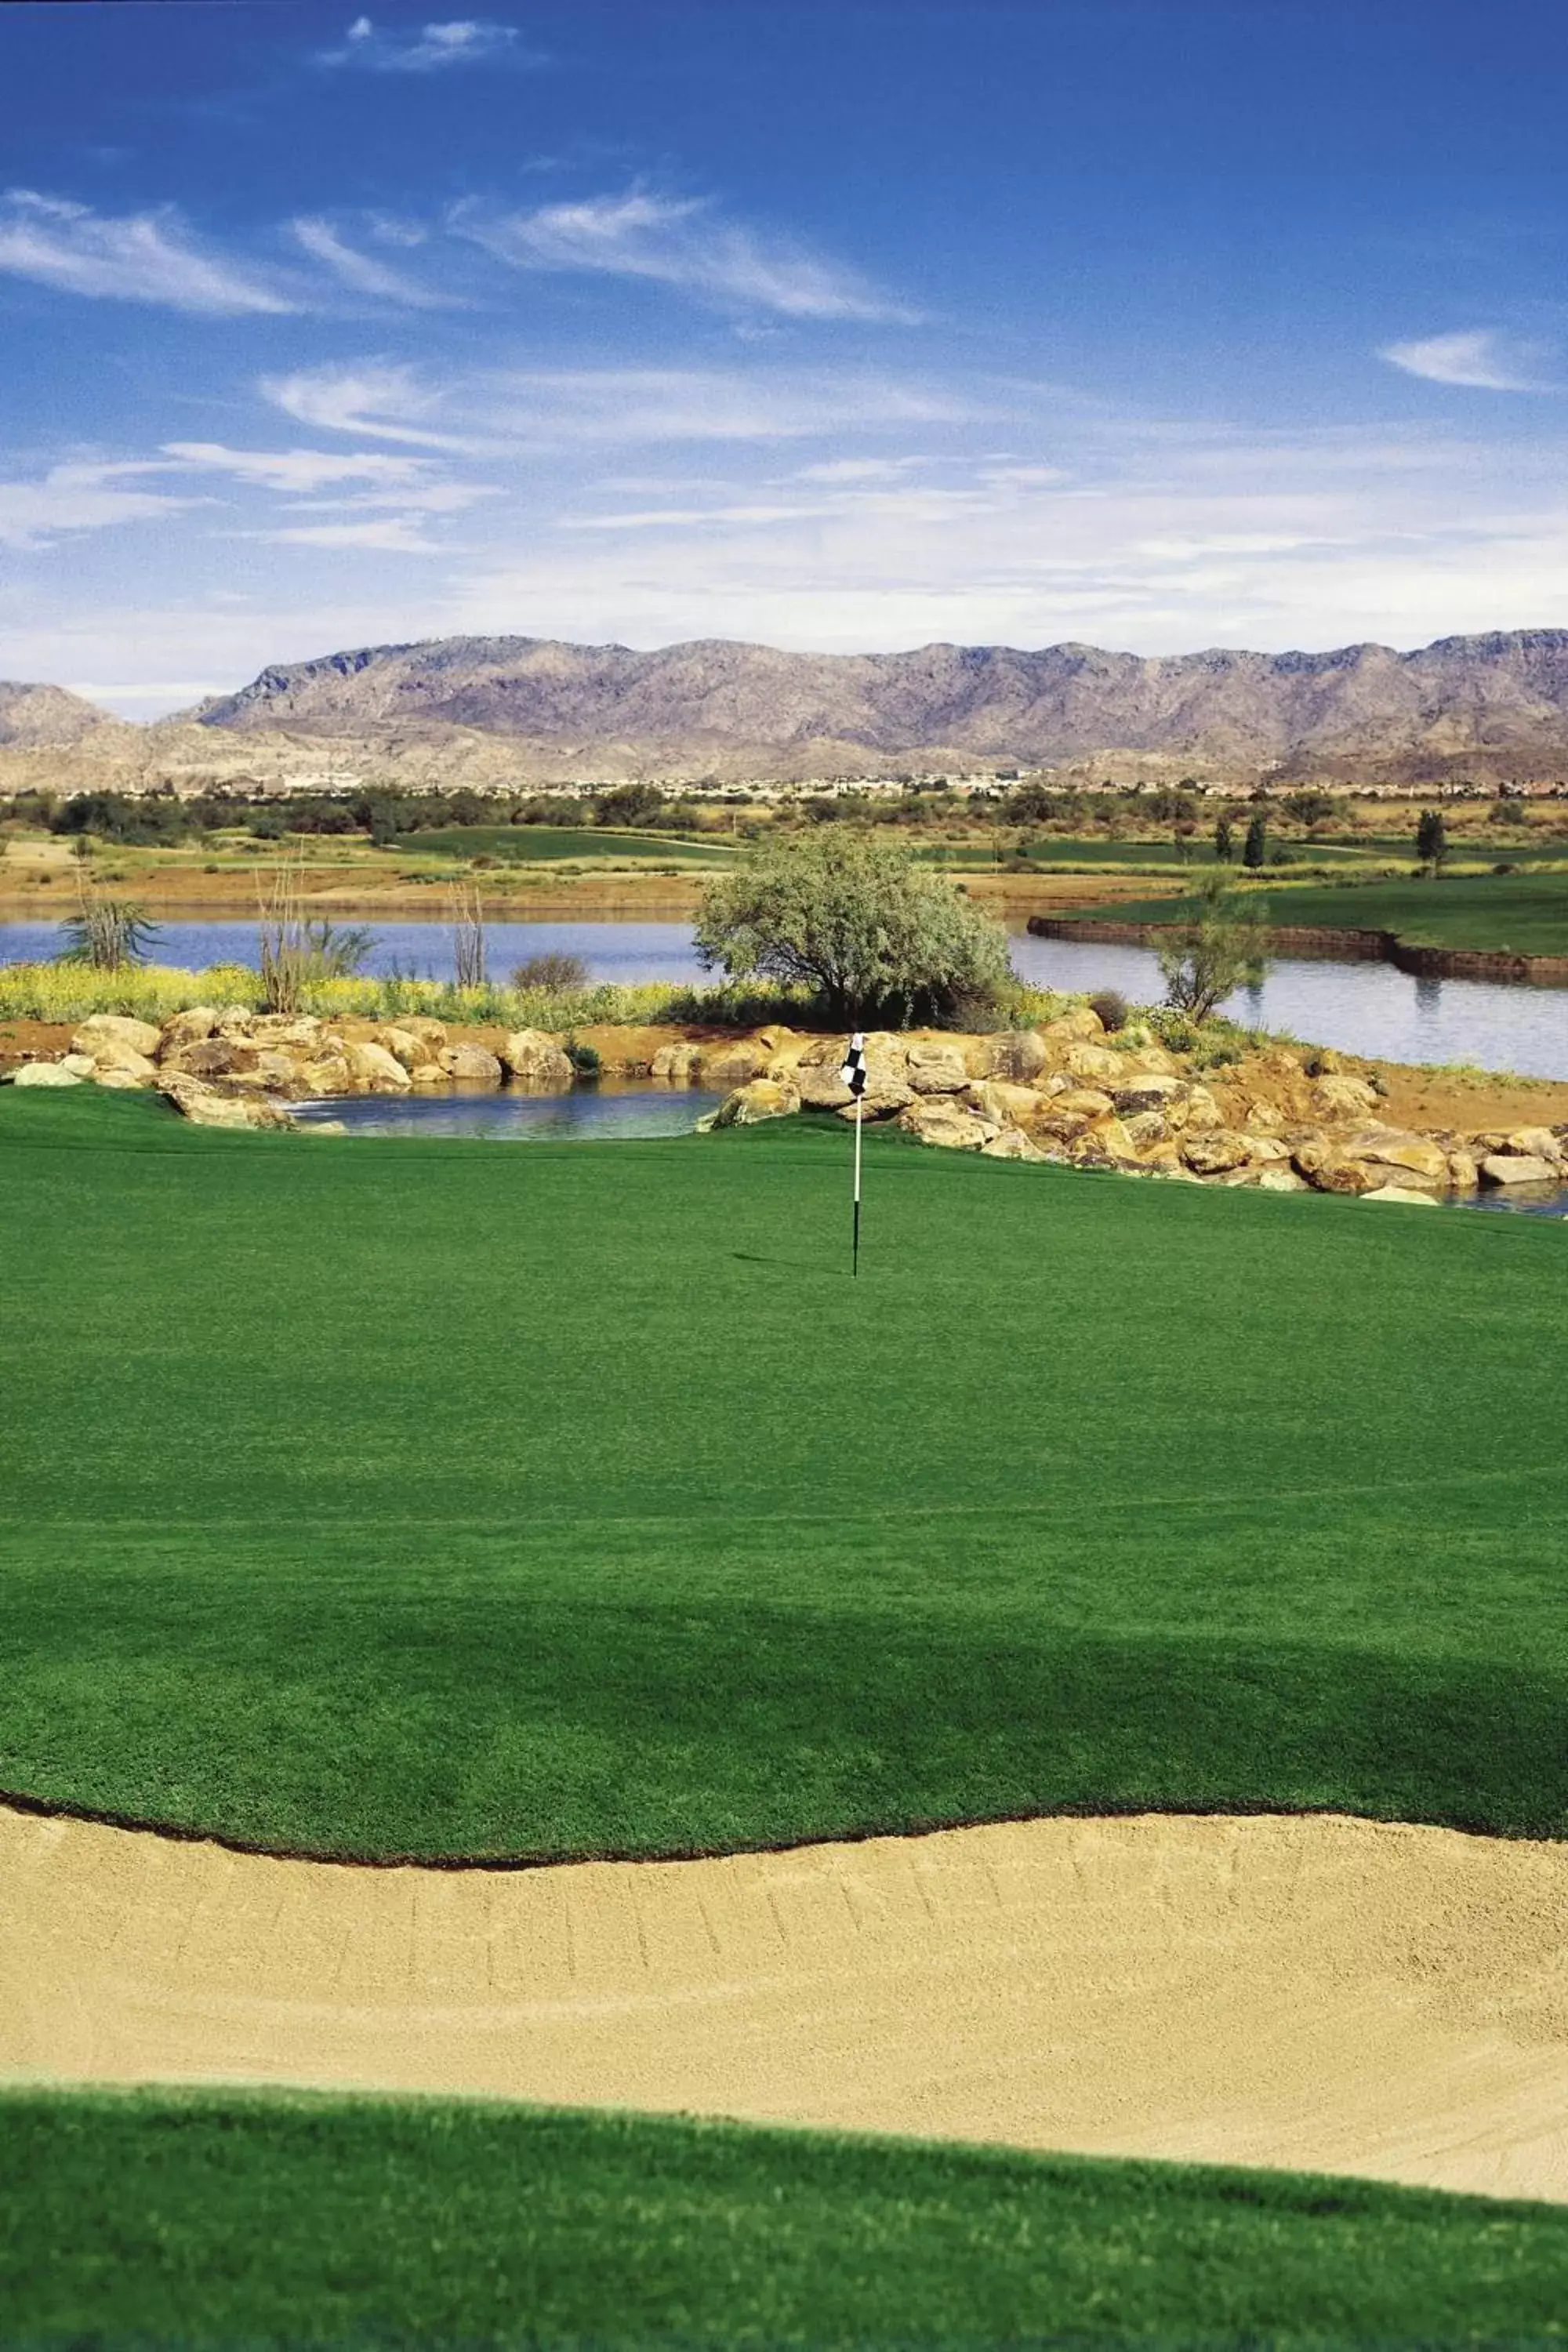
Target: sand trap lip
(1312,1992)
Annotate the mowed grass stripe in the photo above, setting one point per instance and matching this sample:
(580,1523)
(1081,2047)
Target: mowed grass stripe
(212,2218)
(443,1499)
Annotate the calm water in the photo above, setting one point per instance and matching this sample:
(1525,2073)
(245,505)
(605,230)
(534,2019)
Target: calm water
(618,1111)
(1364,1008)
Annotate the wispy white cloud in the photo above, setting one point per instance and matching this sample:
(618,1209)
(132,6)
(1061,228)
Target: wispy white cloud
(375,401)
(1478,358)
(300,471)
(361,271)
(77,497)
(386,535)
(146,256)
(434,48)
(681,242)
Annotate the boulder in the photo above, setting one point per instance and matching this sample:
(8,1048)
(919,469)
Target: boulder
(1011,1144)
(1202,1111)
(1463,1173)
(187,1028)
(205,1057)
(374,1071)
(1520,1168)
(1214,1152)
(1018,1055)
(533,1056)
(1146,1128)
(236,1021)
(1529,1142)
(46,1074)
(758,1099)
(475,1065)
(735,1063)
(405,1046)
(122,1062)
(1337,1174)
(1109,1138)
(1280,1179)
(1096,1065)
(935,1067)
(205,1107)
(678,1064)
(1266,1151)
(1402,1193)
(80,1066)
(427,1074)
(1150,1091)
(938,1120)
(119,1081)
(329,1075)
(1082,1102)
(1414,1155)
(821,1087)
(1082,1023)
(1339,1096)
(1003,1104)
(139,1037)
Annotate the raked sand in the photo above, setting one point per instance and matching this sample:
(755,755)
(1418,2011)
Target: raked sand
(1322,1993)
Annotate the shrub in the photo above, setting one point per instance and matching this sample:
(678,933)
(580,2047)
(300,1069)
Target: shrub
(853,920)
(558,973)
(1255,848)
(1223,945)
(107,933)
(1111,1007)
(584,1059)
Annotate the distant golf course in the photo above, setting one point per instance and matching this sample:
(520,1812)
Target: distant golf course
(424,1498)
(1518,914)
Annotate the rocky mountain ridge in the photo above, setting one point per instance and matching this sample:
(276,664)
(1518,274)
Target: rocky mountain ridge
(1358,708)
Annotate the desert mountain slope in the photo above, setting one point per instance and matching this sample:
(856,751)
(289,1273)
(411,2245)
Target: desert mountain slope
(39,718)
(1503,696)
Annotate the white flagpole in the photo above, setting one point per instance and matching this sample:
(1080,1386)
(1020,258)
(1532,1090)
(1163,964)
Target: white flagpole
(855,1256)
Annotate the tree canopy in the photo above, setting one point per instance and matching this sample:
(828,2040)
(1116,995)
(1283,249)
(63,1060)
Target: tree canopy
(873,936)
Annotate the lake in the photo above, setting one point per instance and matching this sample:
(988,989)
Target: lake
(1362,1008)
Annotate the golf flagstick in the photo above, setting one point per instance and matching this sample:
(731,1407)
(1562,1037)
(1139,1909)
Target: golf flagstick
(853,1073)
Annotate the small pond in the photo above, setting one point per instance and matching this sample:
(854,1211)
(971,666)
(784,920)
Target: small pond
(610,1110)
(1362,1008)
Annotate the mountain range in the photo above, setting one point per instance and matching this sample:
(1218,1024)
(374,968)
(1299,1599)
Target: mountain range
(532,709)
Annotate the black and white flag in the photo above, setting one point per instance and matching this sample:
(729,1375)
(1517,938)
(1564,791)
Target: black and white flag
(853,1067)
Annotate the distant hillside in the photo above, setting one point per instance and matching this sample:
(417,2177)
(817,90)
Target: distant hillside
(1490,704)
(39,718)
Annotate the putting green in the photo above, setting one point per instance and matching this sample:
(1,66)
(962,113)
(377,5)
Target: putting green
(444,1499)
(214,2220)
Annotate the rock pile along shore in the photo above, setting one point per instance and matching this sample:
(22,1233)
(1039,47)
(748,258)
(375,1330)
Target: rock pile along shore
(1283,1120)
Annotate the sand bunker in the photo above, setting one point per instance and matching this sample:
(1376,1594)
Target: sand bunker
(1323,1993)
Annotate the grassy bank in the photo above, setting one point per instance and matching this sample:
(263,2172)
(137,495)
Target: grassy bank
(207,2219)
(543,845)
(1516,914)
(423,1497)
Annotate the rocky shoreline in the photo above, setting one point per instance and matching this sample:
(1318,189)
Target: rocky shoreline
(1333,946)
(1281,1120)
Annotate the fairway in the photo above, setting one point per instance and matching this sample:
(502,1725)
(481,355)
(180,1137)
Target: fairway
(532,845)
(1518,914)
(400,1498)
(311,2221)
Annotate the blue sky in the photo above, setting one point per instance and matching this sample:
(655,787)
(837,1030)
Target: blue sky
(1155,323)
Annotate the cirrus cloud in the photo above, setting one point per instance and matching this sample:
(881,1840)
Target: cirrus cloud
(146,256)
(1478,358)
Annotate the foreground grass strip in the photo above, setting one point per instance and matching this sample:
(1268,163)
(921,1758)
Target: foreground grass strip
(213,2220)
(442,1499)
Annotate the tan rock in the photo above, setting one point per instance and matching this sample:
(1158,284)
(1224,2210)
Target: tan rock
(205,1107)
(187,1028)
(1402,1193)
(1148,1091)
(734,1063)
(1340,1095)
(46,1074)
(1082,1022)
(473,1066)
(1095,1065)
(1083,1102)
(374,1071)
(208,1058)
(821,1087)
(1463,1173)
(1280,1179)
(117,1081)
(329,1075)
(1414,1155)
(534,1059)
(1147,1128)
(1018,1055)
(1518,1168)
(1202,1111)
(1336,1174)
(104,1054)
(140,1037)
(679,1063)
(1267,1151)
(427,1074)
(1533,1143)
(1110,1135)
(758,1099)
(1004,1104)
(1213,1152)
(1011,1144)
(405,1046)
(938,1120)
(935,1067)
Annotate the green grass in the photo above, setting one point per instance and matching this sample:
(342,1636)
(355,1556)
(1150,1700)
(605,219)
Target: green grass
(535,844)
(215,2220)
(1518,914)
(444,1499)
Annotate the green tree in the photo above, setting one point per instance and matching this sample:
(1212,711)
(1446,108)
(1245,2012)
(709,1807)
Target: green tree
(850,917)
(629,804)
(1255,848)
(1224,841)
(1224,945)
(1432,840)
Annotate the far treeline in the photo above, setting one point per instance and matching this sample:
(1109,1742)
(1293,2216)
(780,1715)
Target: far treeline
(1248,828)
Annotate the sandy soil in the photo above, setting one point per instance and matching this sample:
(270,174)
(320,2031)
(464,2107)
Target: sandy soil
(1319,1992)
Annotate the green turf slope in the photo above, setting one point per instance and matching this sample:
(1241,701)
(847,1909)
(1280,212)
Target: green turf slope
(1513,914)
(215,2220)
(399,1497)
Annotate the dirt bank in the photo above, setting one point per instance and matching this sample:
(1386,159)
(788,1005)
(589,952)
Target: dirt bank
(1319,1992)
